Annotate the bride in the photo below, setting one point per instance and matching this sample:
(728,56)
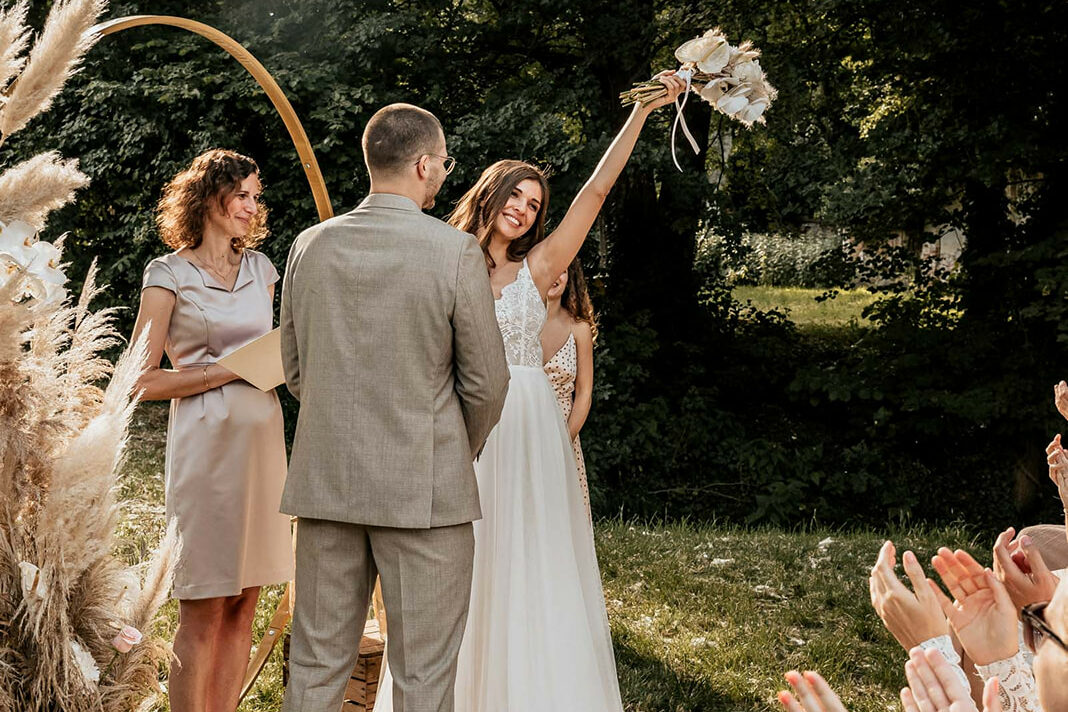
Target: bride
(537,635)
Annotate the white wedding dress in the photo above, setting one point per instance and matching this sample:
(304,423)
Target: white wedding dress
(537,635)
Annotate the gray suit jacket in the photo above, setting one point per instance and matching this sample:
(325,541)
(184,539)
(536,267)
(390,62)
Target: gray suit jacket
(390,342)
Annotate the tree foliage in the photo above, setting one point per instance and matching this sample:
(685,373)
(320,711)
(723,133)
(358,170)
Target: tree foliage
(893,120)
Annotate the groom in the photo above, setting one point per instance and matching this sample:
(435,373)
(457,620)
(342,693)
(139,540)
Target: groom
(390,343)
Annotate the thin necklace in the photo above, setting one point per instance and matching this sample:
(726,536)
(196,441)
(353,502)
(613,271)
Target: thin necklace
(223,278)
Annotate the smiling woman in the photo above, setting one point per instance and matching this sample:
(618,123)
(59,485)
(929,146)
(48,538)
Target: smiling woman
(507,199)
(226,463)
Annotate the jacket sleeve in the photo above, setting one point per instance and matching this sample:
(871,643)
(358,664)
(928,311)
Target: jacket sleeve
(481,370)
(290,350)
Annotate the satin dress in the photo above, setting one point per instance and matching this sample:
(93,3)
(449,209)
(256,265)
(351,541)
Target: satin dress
(226,458)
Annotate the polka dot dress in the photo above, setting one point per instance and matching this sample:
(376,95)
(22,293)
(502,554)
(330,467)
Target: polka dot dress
(561,370)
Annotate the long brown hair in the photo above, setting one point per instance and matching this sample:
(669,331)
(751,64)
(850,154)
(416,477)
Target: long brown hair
(575,299)
(481,204)
(206,185)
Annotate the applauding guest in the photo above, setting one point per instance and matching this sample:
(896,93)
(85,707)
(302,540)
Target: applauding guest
(912,617)
(984,618)
(1020,567)
(813,694)
(226,458)
(1050,538)
(935,685)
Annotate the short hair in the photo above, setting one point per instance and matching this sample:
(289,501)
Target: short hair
(206,185)
(396,134)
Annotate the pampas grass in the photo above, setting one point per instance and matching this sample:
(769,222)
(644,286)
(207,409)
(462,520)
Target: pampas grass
(64,595)
(61,443)
(34,188)
(14,36)
(54,58)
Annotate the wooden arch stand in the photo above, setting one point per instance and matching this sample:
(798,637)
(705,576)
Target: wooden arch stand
(281,104)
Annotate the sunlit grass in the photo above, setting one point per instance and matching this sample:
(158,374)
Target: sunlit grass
(802,308)
(704,616)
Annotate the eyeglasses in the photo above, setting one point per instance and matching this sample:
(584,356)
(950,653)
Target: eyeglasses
(1035,629)
(447,162)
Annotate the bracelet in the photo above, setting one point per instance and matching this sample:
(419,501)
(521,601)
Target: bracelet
(207,386)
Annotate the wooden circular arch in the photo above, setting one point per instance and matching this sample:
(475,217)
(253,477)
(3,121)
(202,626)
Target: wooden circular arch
(262,77)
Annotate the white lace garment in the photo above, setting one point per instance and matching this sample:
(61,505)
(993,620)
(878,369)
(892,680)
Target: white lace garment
(520,315)
(1017,682)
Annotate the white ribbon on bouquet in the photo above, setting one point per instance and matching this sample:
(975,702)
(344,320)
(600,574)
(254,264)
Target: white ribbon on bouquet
(687,74)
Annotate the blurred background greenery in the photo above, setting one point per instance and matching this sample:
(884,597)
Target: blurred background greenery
(855,313)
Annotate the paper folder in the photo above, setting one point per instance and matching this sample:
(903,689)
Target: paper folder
(259,361)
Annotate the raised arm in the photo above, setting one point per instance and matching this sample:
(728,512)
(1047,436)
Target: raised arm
(552,256)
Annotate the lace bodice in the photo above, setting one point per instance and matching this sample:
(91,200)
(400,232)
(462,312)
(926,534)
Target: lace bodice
(520,316)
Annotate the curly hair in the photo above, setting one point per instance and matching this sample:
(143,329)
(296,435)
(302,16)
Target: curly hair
(206,185)
(480,205)
(575,299)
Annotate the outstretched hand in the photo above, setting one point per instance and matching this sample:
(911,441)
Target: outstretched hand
(911,616)
(675,86)
(813,694)
(1020,567)
(1060,398)
(1057,460)
(934,686)
(982,613)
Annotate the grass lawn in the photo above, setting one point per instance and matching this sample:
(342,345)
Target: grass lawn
(802,307)
(704,617)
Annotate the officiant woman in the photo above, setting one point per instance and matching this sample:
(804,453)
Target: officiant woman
(225,457)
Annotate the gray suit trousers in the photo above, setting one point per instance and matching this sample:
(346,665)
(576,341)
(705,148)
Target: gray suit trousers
(426,587)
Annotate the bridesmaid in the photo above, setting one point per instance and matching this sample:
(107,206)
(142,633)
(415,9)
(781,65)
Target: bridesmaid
(567,337)
(225,458)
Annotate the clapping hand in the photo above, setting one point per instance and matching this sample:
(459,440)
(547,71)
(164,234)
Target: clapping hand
(935,687)
(1019,566)
(1060,398)
(1057,460)
(911,616)
(813,694)
(982,613)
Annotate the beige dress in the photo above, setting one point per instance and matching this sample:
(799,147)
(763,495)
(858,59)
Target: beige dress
(562,369)
(226,458)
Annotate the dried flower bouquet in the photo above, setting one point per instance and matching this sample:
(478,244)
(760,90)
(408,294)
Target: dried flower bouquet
(729,78)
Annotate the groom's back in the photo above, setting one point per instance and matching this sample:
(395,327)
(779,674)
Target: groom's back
(370,298)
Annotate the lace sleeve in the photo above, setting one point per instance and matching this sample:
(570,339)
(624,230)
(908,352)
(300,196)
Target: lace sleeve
(944,645)
(1017,688)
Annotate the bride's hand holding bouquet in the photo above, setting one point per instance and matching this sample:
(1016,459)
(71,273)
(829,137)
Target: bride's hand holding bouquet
(669,85)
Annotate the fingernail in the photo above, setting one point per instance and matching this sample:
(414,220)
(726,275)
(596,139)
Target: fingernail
(1025,540)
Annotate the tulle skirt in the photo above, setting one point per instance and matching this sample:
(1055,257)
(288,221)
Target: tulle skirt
(537,635)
